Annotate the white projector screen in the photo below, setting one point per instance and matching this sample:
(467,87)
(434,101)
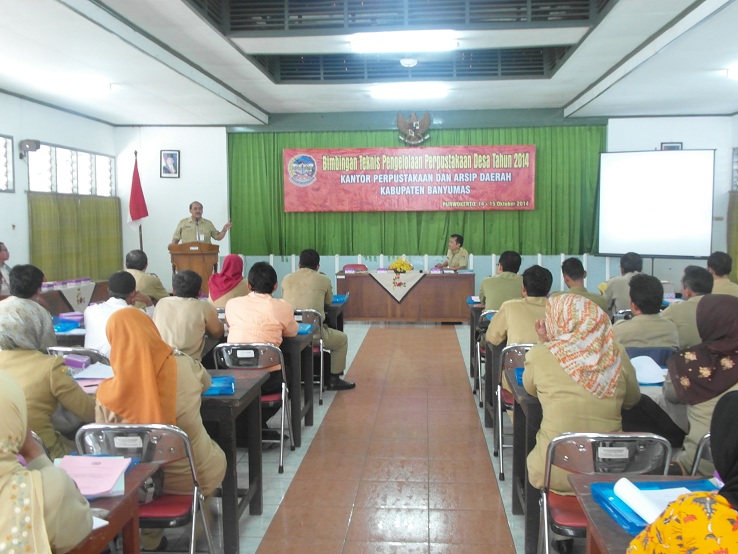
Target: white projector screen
(656,203)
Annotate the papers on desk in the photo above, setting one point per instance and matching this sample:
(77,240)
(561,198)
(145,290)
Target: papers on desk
(95,371)
(98,522)
(648,504)
(648,372)
(472,300)
(97,475)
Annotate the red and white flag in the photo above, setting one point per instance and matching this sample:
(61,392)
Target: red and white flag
(137,209)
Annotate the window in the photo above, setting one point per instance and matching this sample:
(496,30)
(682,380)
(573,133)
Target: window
(6,165)
(63,170)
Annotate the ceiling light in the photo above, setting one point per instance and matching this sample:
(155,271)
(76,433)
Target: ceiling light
(408,62)
(409,91)
(404,41)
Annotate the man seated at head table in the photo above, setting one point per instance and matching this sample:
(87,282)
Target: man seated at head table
(121,294)
(25,288)
(307,288)
(457,257)
(647,329)
(574,276)
(516,320)
(184,319)
(146,283)
(617,293)
(505,285)
(720,264)
(696,283)
(198,229)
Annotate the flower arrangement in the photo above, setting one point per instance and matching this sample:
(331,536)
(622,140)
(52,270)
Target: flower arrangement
(401,265)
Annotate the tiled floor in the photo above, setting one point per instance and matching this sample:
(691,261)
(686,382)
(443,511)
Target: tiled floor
(400,464)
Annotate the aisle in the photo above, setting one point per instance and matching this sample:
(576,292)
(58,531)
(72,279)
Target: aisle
(400,464)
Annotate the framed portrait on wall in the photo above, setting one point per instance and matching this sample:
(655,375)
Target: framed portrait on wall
(169,164)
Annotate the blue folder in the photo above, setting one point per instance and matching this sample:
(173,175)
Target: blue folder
(222,385)
(340,298)
(304,328)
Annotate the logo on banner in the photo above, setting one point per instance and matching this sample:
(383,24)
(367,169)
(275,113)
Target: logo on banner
(302,170)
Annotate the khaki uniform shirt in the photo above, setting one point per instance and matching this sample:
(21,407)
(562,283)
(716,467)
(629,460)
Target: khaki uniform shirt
(500,288)
(598,299)
(189,231)
(307,289)
(516,321)
(684,315)
(241,289)
(647,331)
(460,259)
(183,322)
(149,284)
(617,293)
(724,286)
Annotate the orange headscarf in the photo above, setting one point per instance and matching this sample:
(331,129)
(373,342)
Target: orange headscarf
(144,386)
(581,339)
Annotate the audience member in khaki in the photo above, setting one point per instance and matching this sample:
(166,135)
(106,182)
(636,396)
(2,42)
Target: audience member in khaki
(42,509)
(696,283)
(617,294)
(166,389)
(647,329)
(574,276)
(701,374)
(581,376)
(45,379)
(720,264)
(23,311)
(183,319)
(505,285)
(229,283)
(146,283)
(306,288)
(516,320)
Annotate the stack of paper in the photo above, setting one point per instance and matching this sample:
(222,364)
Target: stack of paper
(648,372)
(649,504)
(97,475)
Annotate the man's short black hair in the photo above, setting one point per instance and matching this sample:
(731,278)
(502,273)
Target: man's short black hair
(510,261)
(697,279)
(647,293)
(137,259)
(459,239)
(537,281)
(309,258)
(720,262)
(121,284)
(25,280)
(186,284)
(262,277)
(573,269)
(630,262)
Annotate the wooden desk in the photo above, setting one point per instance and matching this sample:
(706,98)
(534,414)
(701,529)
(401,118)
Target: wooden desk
(122,516)
(298,353)
(334,315)
(604,535)
(435,298)
(527,416)
(224,410)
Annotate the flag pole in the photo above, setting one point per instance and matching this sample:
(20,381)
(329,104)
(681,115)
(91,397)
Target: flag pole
(140,231)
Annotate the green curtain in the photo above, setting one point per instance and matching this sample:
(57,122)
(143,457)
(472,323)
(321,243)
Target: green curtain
(75,236)
(565,218)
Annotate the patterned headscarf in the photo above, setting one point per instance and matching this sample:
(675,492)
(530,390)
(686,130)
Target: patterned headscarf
(22,526)
(25,325)
(710,368)
(144,386)
(225,281)
(582,341)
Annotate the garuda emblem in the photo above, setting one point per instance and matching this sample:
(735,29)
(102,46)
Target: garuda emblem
(414,131)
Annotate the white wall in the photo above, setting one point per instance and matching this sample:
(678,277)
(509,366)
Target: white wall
(203,177)
(22,120)
(637,134)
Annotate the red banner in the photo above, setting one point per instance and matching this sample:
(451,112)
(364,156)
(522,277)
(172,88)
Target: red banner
(409,179)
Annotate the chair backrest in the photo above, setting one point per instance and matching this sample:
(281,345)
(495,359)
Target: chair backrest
(704,452)
(221,314)
(152,443)
(39,442)
(355,267)
(250,355)
(657,354)
(484,318)
(94,355)
(622,314)
(592,453)
(310,316)
(513,356)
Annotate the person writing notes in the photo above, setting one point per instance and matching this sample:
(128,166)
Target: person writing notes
(457,256)
(198,229)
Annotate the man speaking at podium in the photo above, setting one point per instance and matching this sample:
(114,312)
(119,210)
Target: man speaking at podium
(197,229)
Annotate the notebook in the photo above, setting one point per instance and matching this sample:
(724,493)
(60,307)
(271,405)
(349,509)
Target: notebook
(97,475)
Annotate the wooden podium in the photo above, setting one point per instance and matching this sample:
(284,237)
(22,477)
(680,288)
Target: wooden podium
(200,257)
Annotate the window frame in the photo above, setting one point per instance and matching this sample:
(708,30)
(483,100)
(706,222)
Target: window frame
(53,178)
(10,176)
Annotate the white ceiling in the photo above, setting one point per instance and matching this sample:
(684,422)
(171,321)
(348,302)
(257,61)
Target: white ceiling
(646,58)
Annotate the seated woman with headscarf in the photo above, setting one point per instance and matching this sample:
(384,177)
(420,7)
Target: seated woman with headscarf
(700,375)
(702,521)
(152,384)
(42,509)
(581,376)
(229,283)
(45,379)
